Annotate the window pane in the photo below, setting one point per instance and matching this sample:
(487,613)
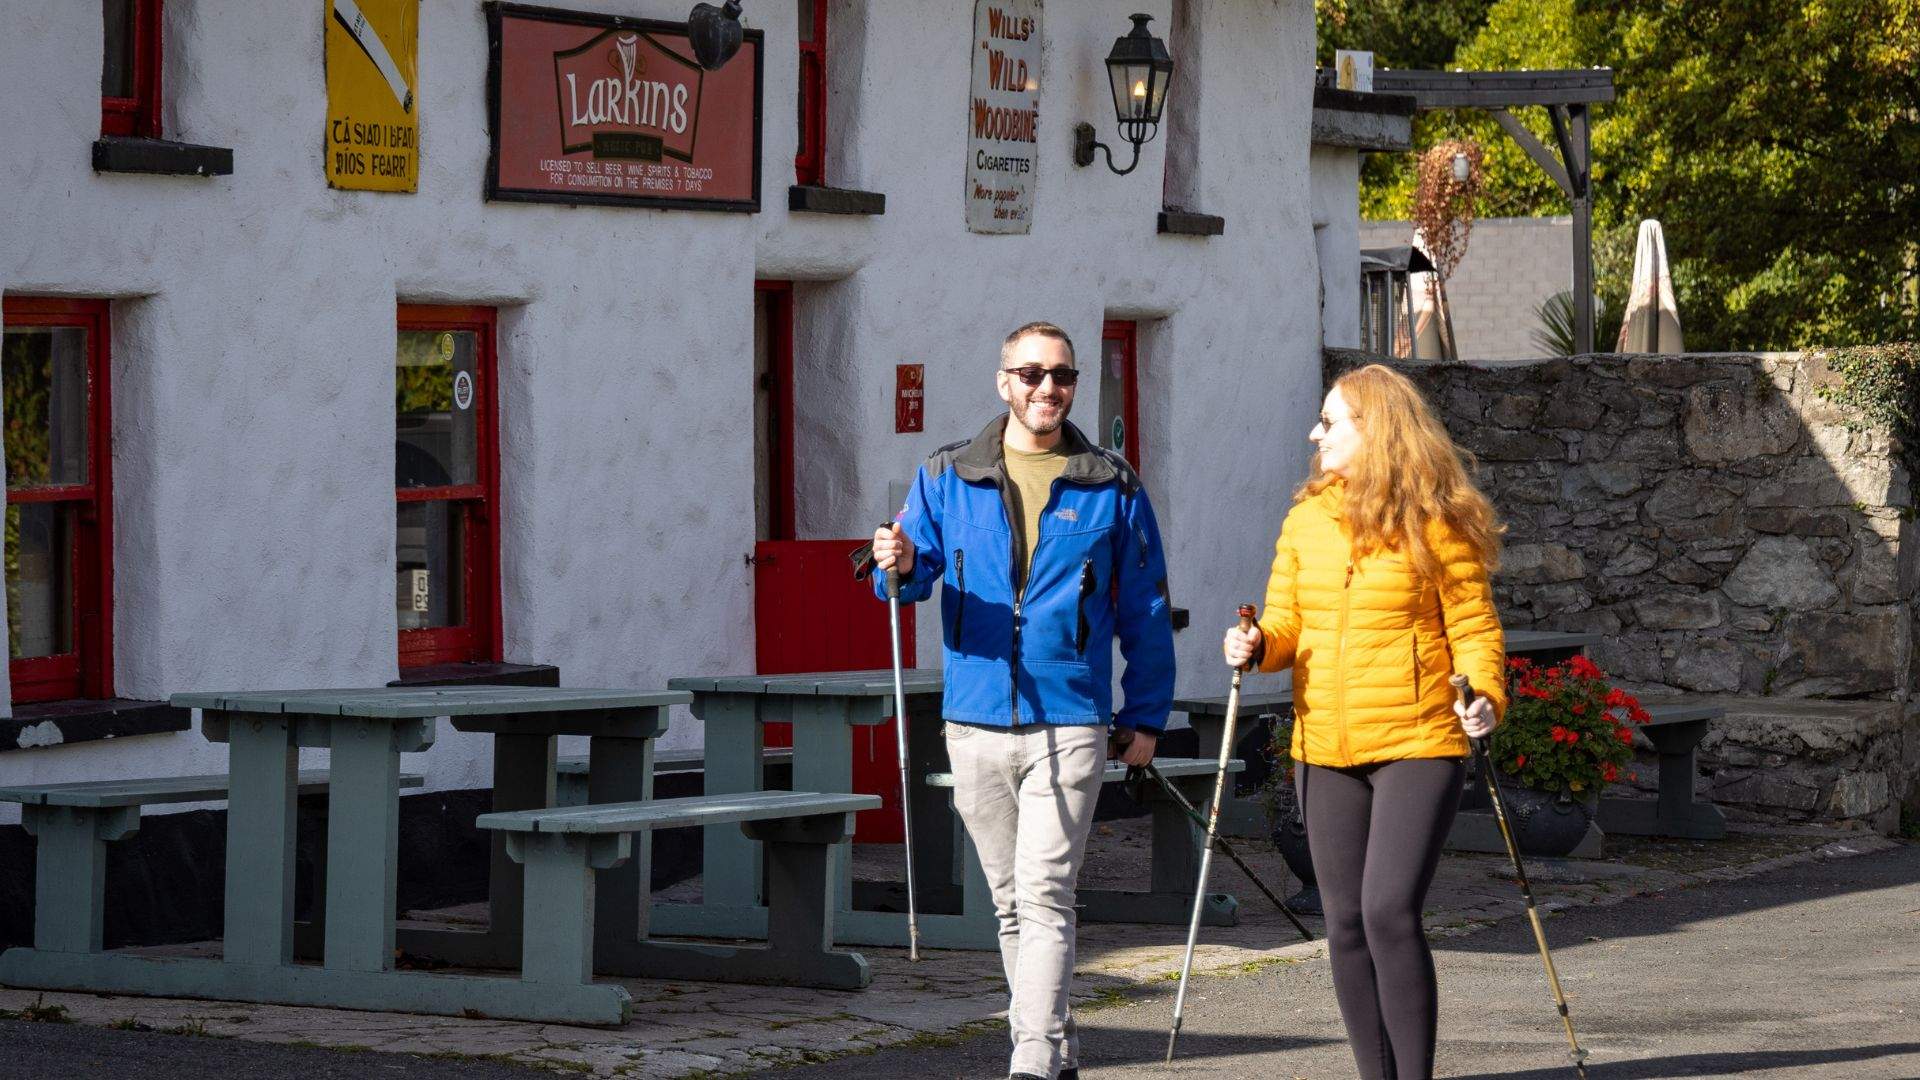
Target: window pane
(39,580)
(435,398)
(116,76)
(806,18)
(43,376)
(428,553)
(1113,394)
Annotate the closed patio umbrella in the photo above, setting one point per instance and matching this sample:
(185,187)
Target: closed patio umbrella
(1652,322)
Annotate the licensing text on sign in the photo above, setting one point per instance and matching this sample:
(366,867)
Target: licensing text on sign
(1003,116)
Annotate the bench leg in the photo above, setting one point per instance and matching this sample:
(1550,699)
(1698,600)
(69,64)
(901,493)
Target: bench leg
(523,779)
(1175,868)
(70,871)
(802,890)
(363,836)
(557,947)
(260,834)
(618,771)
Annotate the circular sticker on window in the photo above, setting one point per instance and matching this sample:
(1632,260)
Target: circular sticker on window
(446,347)
(1119,434)
(462,389)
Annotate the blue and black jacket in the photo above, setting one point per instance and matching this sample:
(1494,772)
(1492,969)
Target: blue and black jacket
(1042,652)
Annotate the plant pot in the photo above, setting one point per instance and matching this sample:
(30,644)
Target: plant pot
(1289,835)
(1547,823)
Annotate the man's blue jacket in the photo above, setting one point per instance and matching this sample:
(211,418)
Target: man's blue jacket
(1043,654)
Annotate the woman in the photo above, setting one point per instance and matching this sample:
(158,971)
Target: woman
(1378,594)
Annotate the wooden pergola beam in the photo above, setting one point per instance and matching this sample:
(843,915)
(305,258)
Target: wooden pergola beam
(1498,89)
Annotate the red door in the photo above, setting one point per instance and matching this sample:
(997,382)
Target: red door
(811,615)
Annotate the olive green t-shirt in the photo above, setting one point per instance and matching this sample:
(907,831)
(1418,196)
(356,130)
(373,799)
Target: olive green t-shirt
(1030,477)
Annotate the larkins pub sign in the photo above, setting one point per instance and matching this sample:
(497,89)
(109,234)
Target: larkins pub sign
(601,109)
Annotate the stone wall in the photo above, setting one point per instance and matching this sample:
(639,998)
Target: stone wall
(1730,532)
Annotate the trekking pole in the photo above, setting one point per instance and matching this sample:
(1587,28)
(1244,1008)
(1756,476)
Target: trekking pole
(1206,853)
(1226,849)
(900,736)
(1465,691)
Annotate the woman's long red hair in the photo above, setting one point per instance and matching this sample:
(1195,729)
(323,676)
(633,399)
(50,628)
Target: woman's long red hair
(1407,477)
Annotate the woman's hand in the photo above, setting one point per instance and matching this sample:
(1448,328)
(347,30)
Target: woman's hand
(1242,647)
(1478,719)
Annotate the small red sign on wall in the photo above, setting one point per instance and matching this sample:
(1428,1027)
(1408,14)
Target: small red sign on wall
(909,398)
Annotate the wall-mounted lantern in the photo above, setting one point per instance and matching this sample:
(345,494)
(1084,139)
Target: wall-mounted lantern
(1139,70)
(714,33)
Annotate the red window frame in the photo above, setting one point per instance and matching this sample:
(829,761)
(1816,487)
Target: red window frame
(778,297)
(139,114)
(480,638)
(1127,333)
(810,164)
(87,671)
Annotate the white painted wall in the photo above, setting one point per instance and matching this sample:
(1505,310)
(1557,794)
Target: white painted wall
(253,351)
(1511,266)
(1336,224)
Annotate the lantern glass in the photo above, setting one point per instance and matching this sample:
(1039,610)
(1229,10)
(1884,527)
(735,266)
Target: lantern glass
(1133,91)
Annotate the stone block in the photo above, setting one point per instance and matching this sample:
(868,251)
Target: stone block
(1873,577)
(1711,667)
(1688,572)
(1859,795)
(1673,371)
(1514,410)
(1773,788)
(1540,564)
(1678,611)
(1781,572)
(1491,444)
(1685,495)
(1633,559)
(1845,652)
(1790,520)
(1737,421)
(1810,481)
(1657,445)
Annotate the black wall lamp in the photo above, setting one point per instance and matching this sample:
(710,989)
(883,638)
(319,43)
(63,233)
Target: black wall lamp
(714,33)
(1139,69)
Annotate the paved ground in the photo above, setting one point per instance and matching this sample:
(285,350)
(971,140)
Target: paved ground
(1809,971)
(706,1029)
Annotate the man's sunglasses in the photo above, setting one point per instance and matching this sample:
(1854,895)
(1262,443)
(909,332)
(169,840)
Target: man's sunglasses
(1032,374)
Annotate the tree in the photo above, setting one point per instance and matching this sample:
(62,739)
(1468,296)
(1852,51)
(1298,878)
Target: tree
(1779,140)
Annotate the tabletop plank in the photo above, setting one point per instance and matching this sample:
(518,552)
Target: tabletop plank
(678,813)
(170,789)
(403,702)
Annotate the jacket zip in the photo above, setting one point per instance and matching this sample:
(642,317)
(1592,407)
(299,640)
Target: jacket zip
(1088,583)
(959,609)
(1346,597)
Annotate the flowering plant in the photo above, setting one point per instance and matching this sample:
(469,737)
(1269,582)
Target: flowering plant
(1566,729)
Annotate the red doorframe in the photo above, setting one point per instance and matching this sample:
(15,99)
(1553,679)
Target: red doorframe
(1126,333)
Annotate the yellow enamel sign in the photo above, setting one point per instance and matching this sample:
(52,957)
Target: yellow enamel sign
(373,126)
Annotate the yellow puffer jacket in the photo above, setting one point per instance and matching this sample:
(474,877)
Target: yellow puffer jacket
(1372,644)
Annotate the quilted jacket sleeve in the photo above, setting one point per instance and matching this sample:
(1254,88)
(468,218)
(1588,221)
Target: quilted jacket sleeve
(1280,619)
(1472,623)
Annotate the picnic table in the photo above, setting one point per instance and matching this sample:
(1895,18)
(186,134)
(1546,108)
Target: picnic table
(365,732)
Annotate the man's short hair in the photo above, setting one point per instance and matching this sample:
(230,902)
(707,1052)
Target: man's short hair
(1035,329)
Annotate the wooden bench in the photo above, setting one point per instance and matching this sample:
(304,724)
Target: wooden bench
(571,772)
(561,848)
(1675,732)
(72,824)
(1174,855)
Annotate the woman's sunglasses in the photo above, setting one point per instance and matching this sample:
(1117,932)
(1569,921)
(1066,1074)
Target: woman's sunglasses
(1032,374)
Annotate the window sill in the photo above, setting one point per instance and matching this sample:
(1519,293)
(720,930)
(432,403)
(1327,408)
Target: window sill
(809,199)
(56,723)
(479,674)
(1175,222)
(161,157)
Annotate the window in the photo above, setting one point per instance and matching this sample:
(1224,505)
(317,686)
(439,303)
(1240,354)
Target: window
(1120,389)
(773,409)
(446,476)
(59,550)
(130,74)
(809,164)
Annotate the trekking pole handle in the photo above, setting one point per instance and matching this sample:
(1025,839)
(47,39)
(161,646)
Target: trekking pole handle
(893,572)
(1464,689)
(1246,613)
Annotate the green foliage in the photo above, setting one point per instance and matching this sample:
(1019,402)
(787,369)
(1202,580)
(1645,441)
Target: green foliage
(1881,383)
(1778,140)
(1555,337)
(1398,33)
(1566,728)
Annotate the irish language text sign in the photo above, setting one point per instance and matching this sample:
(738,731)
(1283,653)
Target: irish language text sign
(603,109)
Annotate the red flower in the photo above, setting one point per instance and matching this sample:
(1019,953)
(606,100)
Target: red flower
(1560,734)
(1579,710)
(1609,773)
(1585,668)
(1520,762)
(1637,714)
(1625,735)
(1529,690)
(1572,737)
(1556,672)
(1519,663)
(1617,697)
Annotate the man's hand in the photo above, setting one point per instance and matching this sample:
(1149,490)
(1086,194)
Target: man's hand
(1135,748)
(1242,647)
(892,548)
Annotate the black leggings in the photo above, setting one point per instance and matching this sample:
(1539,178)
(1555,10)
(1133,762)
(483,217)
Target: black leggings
(1375,833)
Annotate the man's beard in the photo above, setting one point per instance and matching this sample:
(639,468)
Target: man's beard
(1042,427)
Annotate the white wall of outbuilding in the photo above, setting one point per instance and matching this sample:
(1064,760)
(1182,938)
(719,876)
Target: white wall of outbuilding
(254,336)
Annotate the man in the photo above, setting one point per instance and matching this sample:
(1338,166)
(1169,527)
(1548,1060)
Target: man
(1048,550)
